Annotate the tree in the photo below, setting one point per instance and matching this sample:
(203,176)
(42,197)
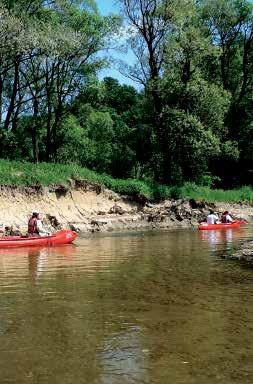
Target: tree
(48,54)
(230,25)
(190,146)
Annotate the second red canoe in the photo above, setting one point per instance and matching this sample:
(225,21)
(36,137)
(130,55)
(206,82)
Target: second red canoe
(235,224)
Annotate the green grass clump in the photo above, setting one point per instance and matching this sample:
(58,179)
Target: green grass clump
(193,191)
(27,174)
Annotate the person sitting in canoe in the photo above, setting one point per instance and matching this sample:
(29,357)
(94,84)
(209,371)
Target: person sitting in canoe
(42,230)
(35,226)
(226,218)
(212,218)
(33,230)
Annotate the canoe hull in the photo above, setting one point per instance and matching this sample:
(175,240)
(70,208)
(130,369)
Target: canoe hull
(236,224)
(59,238)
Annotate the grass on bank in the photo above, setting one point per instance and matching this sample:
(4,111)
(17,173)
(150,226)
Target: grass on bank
(27,174)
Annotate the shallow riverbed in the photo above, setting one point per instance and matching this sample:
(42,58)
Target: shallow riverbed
(145,307)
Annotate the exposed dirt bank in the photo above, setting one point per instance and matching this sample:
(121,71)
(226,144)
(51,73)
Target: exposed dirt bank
(89,207)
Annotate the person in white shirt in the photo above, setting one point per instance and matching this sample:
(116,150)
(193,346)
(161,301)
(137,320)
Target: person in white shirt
(41,229)
(212,218)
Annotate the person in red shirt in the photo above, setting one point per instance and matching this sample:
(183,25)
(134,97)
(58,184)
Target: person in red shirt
(226,218)
(33,226)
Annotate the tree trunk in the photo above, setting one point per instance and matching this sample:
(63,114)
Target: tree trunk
(1,97)
(13,95)
(35,131)
(49,83)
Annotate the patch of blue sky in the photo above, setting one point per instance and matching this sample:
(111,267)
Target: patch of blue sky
(107,7)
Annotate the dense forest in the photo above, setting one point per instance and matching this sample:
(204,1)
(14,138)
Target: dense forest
(190,118)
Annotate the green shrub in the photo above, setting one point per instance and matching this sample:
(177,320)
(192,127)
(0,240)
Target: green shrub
(176,192)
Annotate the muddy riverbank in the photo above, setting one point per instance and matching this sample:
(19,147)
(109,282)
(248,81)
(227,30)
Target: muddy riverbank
(89,207)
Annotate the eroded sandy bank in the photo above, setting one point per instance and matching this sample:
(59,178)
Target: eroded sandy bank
(89,207)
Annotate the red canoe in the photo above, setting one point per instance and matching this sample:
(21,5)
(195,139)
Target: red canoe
(235,224)
(61,237)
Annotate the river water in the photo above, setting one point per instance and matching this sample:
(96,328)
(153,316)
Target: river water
(145,307)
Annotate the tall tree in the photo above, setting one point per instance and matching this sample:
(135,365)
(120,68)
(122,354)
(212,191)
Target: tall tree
(151,23)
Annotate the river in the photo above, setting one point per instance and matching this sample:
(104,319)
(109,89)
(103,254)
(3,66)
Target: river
(145,307)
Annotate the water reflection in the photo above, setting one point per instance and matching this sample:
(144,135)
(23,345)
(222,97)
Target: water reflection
(34,261)
(225,237)
(120,309)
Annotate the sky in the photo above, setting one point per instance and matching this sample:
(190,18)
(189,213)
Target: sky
(107,7)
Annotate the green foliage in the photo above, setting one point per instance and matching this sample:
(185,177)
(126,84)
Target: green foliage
(191,122)
(210,103)
(191,190)
(230,150)
(176,192)
(207,180)
(46,174)
(100,126)
(189,144)
(75,147)
(119,97)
